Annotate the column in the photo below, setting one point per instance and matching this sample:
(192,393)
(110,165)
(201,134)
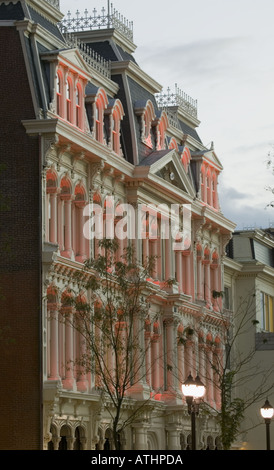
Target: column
(202,365)
(155,363)
(145,250)
(67,230)
(169,352)
(218,368)
(215,287)
(148,352)
(181,359)
(60,226)
(154,254)
(179,269)
(207,283)
(174,438)
(159,259)
(187,272)
(53,218)
(209,376)
(82,384)
(188,358)
(80,241)
(54,344)
(168,274)
(140,437)
(200,294)
(69,364)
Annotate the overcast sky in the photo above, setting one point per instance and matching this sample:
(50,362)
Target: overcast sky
(220,52)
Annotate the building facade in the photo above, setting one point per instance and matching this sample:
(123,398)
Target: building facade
(89,125)
(249,291)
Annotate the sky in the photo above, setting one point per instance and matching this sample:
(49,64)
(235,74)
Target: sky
(221,53)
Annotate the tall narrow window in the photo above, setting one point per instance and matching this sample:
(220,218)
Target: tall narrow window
(267,312)
(68,100)
(78,106)
(115,134)
(208,187)
(98,122)
(58,94)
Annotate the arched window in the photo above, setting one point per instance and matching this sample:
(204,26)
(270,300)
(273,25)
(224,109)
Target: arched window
(59,90)
(100,105)
(116,117)
(208,186)
(203,183)
(186,158)
(149,115)
(78,106)
(163,125)
(173,144)
(214,191)
(69,99)
(115,133)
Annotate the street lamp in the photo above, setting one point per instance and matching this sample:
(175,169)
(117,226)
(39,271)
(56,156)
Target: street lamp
(267,412)
(193,390)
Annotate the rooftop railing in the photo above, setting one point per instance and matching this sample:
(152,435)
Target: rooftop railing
(106,19)
(54,3)
(178,98)
(91,57)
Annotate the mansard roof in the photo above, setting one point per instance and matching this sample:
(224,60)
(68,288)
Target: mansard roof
(111,51)
(11,12)
(106,58)
(45,23)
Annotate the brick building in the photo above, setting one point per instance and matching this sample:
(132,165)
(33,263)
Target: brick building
(80,122)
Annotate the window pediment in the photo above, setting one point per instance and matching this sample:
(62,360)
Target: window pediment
(146,111)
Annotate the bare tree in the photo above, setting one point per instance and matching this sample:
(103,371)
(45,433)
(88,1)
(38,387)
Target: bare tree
(234,372)
(111,328)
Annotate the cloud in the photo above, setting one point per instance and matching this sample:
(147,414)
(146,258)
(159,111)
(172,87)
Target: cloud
(202,60)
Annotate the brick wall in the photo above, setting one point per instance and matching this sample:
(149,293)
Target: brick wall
(20,370)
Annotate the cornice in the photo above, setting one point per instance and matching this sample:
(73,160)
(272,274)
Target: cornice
(79,141)
(90,73)
(136,73)
(107,34)
(231,264)
(46,9)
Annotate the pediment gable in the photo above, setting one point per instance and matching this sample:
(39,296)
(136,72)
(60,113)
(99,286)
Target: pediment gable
(74,58)
(168,166)
(210,157)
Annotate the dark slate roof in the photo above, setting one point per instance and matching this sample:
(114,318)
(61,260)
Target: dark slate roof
(154,157)
(111,51)
(52,28)
(126,141)
(11,12)
(189,131)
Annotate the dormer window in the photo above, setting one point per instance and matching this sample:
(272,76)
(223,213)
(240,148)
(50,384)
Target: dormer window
(115,114)
(79,100)
(68,100)
(115,133)
(209,179)
(186,156)
(99,105)
(173,144)
(98,122)
(148,118)
(59,94)
(161,134)
(69,88)
(147,115)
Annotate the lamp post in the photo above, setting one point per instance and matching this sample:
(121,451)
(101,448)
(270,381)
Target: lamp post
(267,412)
(193,390)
